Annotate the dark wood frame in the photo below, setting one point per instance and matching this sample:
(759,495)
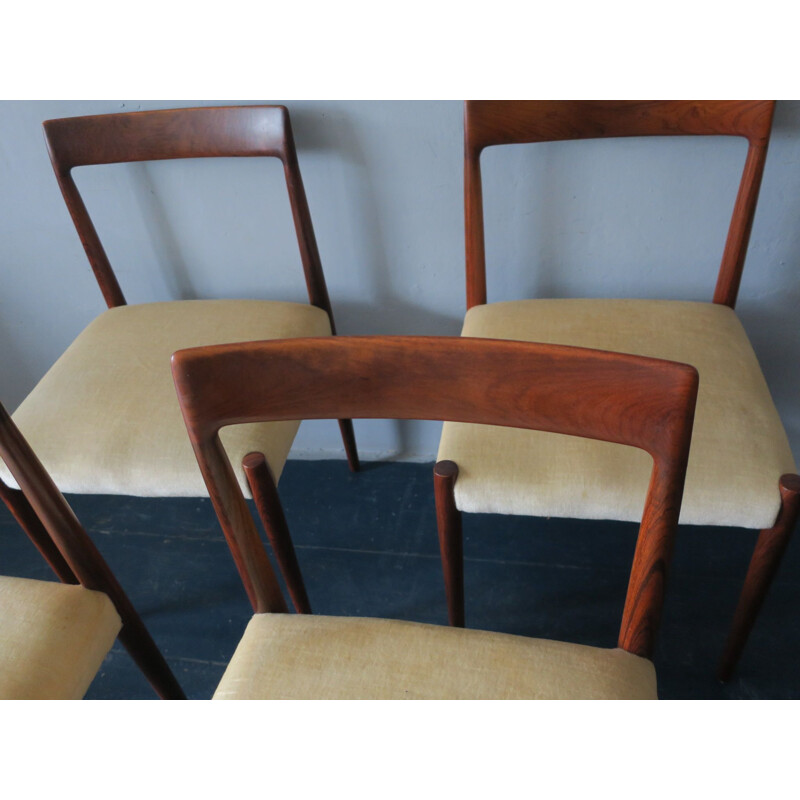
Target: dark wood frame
(51,525)
(212,132)
(488,123)
(495,122)
(641,402)
(230,131)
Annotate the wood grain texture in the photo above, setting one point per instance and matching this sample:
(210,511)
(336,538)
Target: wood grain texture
(268,504)
(167,133)
(473,229)
(84,561)
(641,616)
(492,122)
(646,403)
(738,238)
(496,122)
(770,547)
(211,132)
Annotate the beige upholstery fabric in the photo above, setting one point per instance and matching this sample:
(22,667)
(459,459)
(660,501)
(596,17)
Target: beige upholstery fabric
(739,447)
(105,419)
(53,638)
(292,656)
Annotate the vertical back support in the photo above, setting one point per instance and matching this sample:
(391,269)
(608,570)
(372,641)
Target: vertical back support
(232,131)
(488,123)
(645,403)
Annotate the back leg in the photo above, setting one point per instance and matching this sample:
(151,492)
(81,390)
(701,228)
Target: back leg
(766,559)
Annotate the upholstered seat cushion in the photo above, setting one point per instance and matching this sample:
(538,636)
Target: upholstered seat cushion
(105,418)
(53,638)
(739,448)
(291,656)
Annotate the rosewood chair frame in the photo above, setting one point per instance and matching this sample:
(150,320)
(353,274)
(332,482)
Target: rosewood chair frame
(645,403)
(223,131)
(44,514)
(488,123)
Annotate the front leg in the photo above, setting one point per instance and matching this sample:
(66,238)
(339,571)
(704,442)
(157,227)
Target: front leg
(448,520)
(268,503)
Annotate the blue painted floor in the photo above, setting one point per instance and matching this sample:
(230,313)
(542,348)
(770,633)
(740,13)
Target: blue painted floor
(367,546)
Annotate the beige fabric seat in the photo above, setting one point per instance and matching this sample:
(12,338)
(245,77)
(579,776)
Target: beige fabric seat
(53,638)
(739,447)
(105,418)
(283,656)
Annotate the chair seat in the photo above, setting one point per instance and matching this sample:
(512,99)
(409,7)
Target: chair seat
(105,418)
(291,656)
(739,447)
(53,638)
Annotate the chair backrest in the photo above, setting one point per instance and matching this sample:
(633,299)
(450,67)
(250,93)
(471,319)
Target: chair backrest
(645,403)
(495,122)
(52,526)
(179,133)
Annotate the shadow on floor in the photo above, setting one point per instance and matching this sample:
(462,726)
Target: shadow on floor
(367,545)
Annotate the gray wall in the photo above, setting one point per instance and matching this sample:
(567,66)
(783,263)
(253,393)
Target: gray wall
(615,218)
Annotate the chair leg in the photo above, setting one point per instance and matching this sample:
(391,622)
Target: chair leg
(270,510)
(23,513)
(96,574)
(349,439)
(448,520)
(764,563)
(143,650)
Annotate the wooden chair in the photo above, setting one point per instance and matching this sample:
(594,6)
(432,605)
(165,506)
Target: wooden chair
(104,419)
(640,402)
(55,635)
(741,471)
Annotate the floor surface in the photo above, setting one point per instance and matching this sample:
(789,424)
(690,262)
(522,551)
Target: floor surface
(367,546)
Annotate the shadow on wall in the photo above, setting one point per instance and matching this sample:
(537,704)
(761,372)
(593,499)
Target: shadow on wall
(770,315)
(12,364)
(774,332)
(166,247)
(356,201)
(369,294)
(387,312)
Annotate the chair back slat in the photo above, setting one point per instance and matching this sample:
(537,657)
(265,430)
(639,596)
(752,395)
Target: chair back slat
(497,122)
(493,122)
(167,133)
(208,132)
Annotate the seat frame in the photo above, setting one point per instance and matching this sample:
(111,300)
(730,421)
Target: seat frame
(641,402)
(208,132)
(46,517)
(488,123)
